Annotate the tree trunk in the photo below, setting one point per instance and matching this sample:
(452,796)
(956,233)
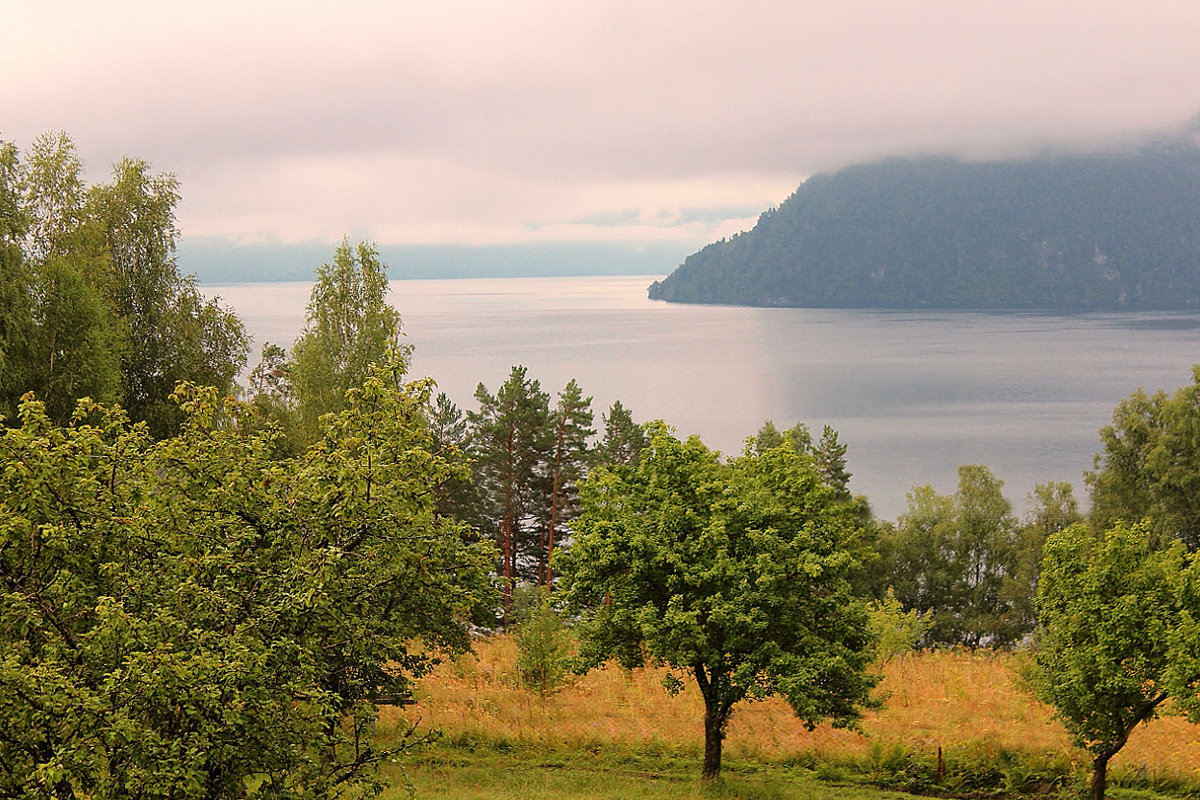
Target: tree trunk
(715,713)
(506,558)
(1100,765)
(713,735)
(1099,776)
(549,581)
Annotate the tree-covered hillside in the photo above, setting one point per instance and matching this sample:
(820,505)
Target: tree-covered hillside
(1089,232)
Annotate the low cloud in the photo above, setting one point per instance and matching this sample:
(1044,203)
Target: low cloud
(474,121)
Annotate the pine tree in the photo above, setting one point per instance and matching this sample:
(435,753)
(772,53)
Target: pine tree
(623,438)
(572,426)
(511,437)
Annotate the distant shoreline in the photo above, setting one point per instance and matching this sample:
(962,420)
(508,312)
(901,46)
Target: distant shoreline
(216,261)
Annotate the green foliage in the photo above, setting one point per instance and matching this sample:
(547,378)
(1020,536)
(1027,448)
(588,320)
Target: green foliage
(570,427)
(179,336)
(623,439)
(1105,231)
(1052,508)
(195,618)
(956,558)
(543,641)
(64,339)
(895,630)
(733,571)
(962,769)
(16,296)
(1116,635)
(88,272)
(458,496)
(511,438)
(1148,469)
(349,326)
(828,456)
(76,344)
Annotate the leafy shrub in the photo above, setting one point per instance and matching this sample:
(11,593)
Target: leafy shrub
(896,631)
(543,643)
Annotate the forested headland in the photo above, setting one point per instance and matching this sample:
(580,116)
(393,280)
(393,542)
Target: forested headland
(1101,232)
(211,591)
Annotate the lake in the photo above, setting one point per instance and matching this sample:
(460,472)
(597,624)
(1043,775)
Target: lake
(913,394)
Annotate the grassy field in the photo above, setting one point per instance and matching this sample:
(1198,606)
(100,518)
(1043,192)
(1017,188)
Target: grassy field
(530,775)
(614,733)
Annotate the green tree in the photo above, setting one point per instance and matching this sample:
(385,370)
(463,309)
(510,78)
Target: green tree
(1052,508)
(1116,635)
(459,495)
(88,270)
(16,315)
(829,455)
(349,325)
(543,642)
(623,438)
(955,557)
(54,195)
(571,426)
(798,437)
(195,618)
(1148,468)
(511,438)
(179,335)
(896,631)
(72,340)
(734,573)
(76,343)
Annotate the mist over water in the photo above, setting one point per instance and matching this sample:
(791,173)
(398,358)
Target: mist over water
(912,394)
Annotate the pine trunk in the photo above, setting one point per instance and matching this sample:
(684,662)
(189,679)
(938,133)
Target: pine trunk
(507,556)
(550,532)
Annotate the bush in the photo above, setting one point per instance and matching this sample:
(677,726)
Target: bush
(896,631)
(543,643)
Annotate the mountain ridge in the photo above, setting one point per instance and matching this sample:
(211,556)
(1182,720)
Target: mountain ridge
(1105,232)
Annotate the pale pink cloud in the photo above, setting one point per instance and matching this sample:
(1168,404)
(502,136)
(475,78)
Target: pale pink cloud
(484,121)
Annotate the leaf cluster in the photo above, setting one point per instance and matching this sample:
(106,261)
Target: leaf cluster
(734,571)
(194,617)
(1147,469)
(92,303)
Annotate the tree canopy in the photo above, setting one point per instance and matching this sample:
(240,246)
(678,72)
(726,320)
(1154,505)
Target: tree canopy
(1150,465)
(1117,622)
(958,559)
(94,304)
(349,325)
(733,572)
(197,618)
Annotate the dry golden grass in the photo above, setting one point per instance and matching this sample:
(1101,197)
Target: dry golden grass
(931,699)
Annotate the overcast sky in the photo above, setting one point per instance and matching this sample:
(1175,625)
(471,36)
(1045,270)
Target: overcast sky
(455,121)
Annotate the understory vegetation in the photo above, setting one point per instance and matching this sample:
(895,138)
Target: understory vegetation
(614,729)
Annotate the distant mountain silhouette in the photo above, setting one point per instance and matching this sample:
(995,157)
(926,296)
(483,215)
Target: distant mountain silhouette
(1116,231)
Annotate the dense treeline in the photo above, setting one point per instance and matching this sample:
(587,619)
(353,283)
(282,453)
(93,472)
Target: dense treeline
(91,301)
(1115,231)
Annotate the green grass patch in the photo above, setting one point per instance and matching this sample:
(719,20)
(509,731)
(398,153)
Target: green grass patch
(466,768)
(480,772)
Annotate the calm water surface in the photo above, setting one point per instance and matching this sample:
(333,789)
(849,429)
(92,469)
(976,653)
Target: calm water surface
(913,394)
